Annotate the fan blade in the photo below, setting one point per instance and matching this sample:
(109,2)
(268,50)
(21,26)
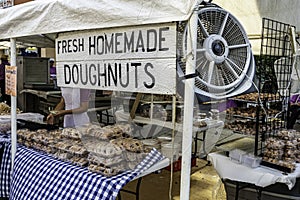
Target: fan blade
(210,71)
(205,33)
(228,63)
(238,46)
(235,65)
(201,67)
(223,24)
(200,61)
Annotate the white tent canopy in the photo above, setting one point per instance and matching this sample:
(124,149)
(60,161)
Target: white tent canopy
(52,16)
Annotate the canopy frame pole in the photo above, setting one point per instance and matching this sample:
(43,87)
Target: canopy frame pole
(13,62)
(188,107)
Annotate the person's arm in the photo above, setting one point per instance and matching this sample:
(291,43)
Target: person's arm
(60,105)
(58,108)
(83,108)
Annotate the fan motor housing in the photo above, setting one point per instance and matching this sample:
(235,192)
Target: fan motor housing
(216,48)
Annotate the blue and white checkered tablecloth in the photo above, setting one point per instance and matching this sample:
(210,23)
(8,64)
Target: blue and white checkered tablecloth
(5,168)
(38,176)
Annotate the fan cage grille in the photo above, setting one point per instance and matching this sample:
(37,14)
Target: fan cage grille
(237,61)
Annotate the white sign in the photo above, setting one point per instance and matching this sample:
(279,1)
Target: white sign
(137,59)
(11,80)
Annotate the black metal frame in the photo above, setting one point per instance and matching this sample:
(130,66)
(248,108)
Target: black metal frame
(275,48)
(240,186)
(136,192)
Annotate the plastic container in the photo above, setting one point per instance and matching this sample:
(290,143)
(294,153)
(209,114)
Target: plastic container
(5,120)
(35,117)
(164,139)
(237,155)
(170,152)
(5,125)
(151,143)
(251,161)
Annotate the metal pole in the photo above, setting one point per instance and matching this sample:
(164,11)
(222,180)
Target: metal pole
(188,108)
(13,62)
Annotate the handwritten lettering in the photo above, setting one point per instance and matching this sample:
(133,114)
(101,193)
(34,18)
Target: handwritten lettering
(122,58)
(70,46)
(108,74)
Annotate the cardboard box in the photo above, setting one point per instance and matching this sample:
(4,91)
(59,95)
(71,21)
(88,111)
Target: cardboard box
(177,164)
(16,2)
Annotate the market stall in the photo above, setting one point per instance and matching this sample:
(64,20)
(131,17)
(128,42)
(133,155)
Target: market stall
(66,16)
(132,46)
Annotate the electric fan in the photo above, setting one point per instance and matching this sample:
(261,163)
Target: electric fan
(224,62)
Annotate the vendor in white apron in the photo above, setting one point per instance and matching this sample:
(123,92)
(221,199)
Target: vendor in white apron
(73,106)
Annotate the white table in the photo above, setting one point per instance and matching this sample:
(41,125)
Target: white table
(199,133)
(260,177)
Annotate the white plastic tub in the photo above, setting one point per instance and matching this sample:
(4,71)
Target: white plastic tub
(170,152)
